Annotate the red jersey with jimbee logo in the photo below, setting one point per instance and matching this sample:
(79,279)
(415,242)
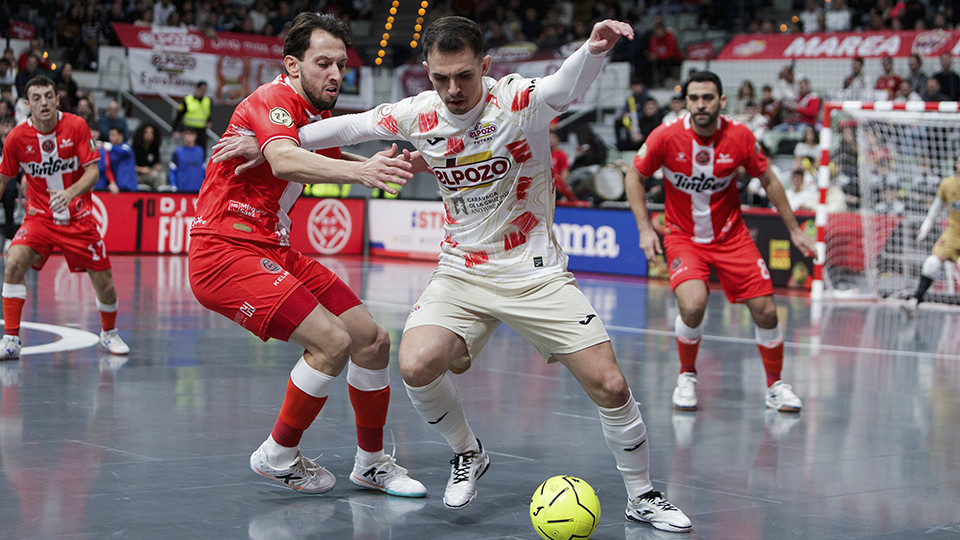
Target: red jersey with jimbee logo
(700,175)
(51,162)
(256,204)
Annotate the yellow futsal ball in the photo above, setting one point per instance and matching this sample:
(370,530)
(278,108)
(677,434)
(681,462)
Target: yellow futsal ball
(564,507)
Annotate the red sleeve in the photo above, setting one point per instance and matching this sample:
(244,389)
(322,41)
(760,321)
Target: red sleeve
(273,113)
(753,161)
(10,165)
(86,146)
(811,107)
(649,157)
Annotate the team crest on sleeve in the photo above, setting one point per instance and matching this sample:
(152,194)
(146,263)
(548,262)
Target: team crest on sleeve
(93,145)
(269,266)
(279,115)
(642,152)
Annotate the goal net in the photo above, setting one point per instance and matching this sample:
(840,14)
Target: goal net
(880,169)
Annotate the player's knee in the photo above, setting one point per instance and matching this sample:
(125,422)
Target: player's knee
(692,314)
(418,367)
(931,267)
(766,317)
(375,350)
(333,347)
(613,390)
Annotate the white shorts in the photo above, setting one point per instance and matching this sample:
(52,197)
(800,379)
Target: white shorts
(552,314)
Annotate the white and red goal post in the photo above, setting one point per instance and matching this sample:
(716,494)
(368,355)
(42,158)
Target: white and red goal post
(889,158)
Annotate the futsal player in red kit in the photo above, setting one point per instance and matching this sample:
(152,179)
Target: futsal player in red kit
(699,154)
(242,265)
(59,161)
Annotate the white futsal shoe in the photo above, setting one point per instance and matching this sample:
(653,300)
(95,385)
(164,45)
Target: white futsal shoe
(10,347)
(653,508)
(466,469)
(304,475)
(111,340)
(385,475)
(780,396)
(685,394)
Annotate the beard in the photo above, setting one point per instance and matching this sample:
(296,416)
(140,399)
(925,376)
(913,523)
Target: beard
(319,99)
(706,121)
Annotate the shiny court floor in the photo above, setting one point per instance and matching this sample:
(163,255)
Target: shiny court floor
(157,445)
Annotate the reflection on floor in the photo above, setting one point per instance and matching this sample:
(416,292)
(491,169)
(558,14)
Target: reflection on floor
(156,445)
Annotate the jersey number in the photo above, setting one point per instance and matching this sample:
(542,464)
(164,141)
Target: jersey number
(764,273)
(97,251)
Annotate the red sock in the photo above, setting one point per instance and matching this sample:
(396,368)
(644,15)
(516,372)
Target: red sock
(688,355)
(297,413)
(370,408)
(12,312)
(108,320)
(772,361)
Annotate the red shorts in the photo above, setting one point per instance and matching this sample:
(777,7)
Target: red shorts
(80,242)
(742,271)
(267,290)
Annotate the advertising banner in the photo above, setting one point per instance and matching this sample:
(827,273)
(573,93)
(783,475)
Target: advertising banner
(171,60)
(600,240)
(408,229)
(595,240)
(841,45)
(160,223)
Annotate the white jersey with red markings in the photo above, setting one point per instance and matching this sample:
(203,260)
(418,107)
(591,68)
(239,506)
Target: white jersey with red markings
(51,162)
(256,204)
(496,181)
(700,175)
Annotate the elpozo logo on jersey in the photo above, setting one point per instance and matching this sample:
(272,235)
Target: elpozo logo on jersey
(482,131)
(472,171)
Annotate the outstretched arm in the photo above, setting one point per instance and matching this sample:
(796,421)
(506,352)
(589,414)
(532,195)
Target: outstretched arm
(637,195)
(291,162)
(583,66)
(342,130)
(778,197)
(932,214)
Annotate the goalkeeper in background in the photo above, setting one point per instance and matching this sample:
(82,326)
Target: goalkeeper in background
(947,246)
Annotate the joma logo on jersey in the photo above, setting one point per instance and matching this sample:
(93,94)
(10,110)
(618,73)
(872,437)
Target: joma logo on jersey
(699,183)
(473,174)
(51,166)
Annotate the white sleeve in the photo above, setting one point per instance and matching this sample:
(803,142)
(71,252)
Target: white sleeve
(339,131)
(935,210)
(581,68)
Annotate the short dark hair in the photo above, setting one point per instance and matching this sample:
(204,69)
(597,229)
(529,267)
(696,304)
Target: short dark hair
(298,37)
(703,76)
(40,80)
(452,34)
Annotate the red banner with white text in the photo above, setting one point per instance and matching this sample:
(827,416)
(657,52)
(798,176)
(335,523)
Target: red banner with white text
(841,45)
(160,223)
(170,60)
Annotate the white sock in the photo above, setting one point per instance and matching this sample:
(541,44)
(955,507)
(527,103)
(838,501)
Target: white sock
(769,337)
(626,436)
(365,459)
(279,456)
(686,333)
(439,404)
